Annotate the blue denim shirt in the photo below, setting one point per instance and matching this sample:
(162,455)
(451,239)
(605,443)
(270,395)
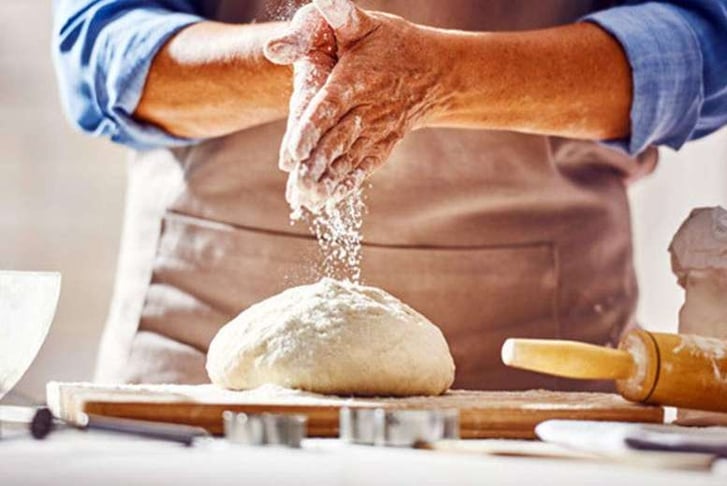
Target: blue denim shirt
(677,50)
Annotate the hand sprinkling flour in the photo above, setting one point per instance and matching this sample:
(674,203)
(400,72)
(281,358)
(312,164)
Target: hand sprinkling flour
(359,86)
(375,91)
(310,46)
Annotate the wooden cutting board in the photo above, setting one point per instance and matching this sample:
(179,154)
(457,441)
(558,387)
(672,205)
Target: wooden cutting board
(483,414)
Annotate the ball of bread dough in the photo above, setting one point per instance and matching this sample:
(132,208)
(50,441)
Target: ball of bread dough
(332,337)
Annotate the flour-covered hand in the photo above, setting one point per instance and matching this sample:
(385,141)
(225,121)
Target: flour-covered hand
(385,82)
(310,46)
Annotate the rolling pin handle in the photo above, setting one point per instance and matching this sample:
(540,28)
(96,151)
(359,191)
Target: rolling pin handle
(568,359)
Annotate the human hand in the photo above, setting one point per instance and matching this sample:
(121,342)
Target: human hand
(310,46)
(384,83)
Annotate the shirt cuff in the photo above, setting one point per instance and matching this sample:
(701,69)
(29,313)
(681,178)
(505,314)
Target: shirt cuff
(666,65)
(127,67)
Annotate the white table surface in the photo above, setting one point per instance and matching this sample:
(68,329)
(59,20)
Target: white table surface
(75,458)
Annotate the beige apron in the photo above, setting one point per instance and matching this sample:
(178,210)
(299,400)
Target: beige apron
(489,234)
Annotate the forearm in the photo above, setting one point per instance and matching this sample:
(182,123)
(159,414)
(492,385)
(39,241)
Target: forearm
(212,79)
(571,81)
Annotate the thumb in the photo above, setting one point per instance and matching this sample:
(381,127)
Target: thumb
(350,22)
(285,49)
(298,38)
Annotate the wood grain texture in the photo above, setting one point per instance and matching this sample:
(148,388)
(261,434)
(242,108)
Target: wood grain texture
(681,371)
(483,414)
(569,359)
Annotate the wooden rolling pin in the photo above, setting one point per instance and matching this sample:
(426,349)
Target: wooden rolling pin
(658,368)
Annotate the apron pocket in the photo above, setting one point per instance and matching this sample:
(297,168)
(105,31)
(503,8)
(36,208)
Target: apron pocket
(205,273)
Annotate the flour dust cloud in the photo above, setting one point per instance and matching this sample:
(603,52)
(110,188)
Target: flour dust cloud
(338,230)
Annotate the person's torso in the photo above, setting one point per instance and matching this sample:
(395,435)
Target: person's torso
(489,234)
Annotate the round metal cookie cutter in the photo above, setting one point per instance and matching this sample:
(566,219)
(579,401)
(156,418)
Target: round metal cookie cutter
(265,429)
(398,428)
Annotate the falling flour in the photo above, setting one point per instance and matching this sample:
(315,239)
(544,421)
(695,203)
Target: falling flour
(338,230)
(281,10)
(338,223)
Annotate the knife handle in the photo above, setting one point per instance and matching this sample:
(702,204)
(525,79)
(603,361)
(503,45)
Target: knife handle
(43,423)
(183,434)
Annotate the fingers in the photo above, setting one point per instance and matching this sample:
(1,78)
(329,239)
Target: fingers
(322,126)
(309,45)
(324,111)
(350,22)
(285,50)
(286,162)
(338,182)
(351,183)
(310,74)
(355,178)
(356,173)
(343,176)
(302,192)
(353,158)
(340,167)
(306,31)
(334,143)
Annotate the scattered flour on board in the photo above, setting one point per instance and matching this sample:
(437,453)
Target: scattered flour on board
(270,390)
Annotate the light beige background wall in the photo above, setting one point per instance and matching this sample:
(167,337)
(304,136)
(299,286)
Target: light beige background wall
(61,202)
(696,176)
(61,196)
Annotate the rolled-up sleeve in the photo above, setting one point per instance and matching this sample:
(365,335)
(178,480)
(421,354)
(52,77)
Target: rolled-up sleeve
(102,51)
(678,56)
